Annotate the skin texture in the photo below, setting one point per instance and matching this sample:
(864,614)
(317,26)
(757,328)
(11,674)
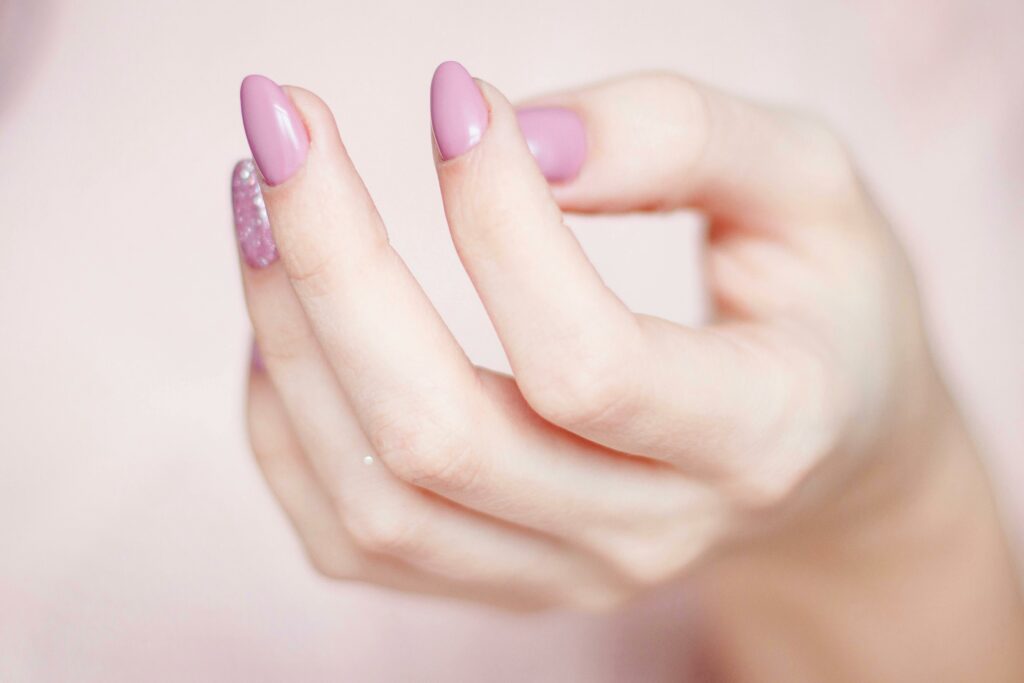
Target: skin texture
(798,457)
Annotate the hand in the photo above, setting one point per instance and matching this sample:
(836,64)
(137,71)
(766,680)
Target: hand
(625,450)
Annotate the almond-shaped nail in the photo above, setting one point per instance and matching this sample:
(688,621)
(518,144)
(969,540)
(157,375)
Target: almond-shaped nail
(276,135)
(557,140)
(458,111)
(252,228)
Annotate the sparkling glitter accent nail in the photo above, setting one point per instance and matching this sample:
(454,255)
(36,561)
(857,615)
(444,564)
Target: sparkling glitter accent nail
(251,224)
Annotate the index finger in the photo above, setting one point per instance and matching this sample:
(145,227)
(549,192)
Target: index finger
(709,400)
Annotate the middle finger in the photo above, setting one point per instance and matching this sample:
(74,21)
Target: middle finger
(430,416)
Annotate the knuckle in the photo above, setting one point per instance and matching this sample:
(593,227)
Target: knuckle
(679,118)
(680,96)
(583,384)
(764,488)
(831,168)
(807,428)
(314,257)
(385,531)
(310,269)
(649,564)
(330,561)
(691,104)
(324,564)
(573,397)
(599,600)
(648,569)
(429,450)
(281,346)
(666,547)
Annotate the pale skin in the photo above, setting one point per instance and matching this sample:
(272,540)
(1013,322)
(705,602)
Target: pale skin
(798,459)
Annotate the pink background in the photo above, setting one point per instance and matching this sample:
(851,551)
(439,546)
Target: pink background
(137,541)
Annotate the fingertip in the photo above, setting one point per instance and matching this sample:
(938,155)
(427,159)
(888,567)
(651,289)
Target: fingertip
(277,138)
(555,136)
(458,112)
(253,83)
(310,105)
(317,117)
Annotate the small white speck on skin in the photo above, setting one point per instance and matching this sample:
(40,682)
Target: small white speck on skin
(368,460)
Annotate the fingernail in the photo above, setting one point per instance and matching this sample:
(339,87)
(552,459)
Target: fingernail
(276,135)
(557,140)
(252,228)
(457,110)
(256,358)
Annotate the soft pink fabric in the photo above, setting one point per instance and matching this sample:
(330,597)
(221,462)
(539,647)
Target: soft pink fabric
(137,541)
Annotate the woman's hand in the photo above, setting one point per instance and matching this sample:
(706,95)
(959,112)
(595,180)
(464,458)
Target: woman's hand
(624,450)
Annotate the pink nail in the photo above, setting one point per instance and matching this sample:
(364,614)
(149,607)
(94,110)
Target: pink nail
(251,225)
(256,358)
(557,140)
(277,137)
(457,110)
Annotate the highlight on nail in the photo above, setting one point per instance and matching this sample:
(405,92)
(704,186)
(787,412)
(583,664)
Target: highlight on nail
(458,111)
(275,131)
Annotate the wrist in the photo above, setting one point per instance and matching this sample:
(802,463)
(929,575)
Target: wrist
(907,562)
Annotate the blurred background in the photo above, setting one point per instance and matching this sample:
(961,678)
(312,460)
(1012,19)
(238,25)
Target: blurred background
(137,540)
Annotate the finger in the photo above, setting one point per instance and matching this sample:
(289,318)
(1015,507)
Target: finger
(387,518)
(388,346)
(764,175)
(421,404)
(292,480)
(388,521)
(705,401)
(328,543)
(661,141)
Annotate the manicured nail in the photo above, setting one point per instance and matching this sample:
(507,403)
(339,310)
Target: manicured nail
(277,137)
(256,359)
(457,110)
(557,140)
(252,228)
